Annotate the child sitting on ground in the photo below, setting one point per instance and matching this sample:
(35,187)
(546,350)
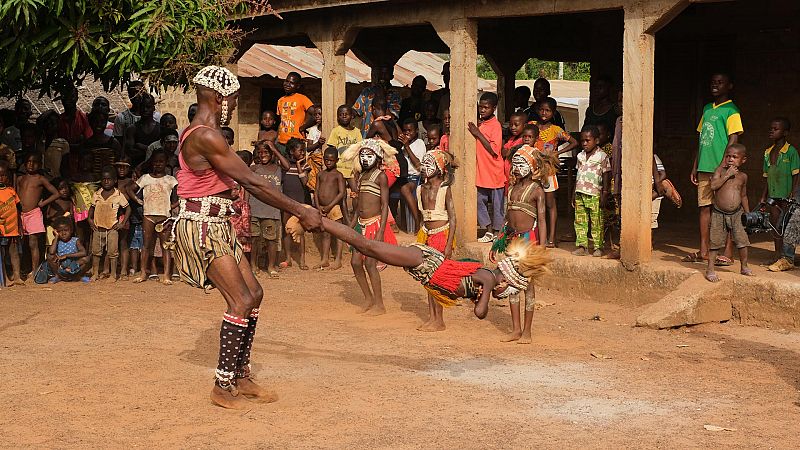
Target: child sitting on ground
(551,136)
(66,256)
(435,204)
(30,187)
(9,223)
(331,190)
(592,188)
(241,219)
(371,214)
(730,202)
(105,220)
(159,192)
(525,220)
(265,220)
(781,169)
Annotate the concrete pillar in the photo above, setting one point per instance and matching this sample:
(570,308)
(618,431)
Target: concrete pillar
(505,66)
(637,150)
(333,43)
(461,35)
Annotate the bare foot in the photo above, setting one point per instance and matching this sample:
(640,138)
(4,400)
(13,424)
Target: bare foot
(166,281)
(366,308)
(376,310)
(748,272)
(124,278)
(94,278)
(229,399)
(18,282)
(524,340)
(254,392)
(424,326)
(321,266)
(711,276)
(336,266)
(435,326)
(514,336)
(303,266)
(140,279)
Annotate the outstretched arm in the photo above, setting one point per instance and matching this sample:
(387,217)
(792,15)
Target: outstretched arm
(394,255)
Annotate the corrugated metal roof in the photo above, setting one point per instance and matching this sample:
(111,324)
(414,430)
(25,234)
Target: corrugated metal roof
(278,60)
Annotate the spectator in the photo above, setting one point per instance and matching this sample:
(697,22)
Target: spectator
(381,78)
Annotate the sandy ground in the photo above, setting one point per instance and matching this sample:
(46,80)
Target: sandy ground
(123,365)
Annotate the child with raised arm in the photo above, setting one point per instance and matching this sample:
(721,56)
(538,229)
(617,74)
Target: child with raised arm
(781,168)
(158,190)
(266,229)
(592,189)
(295,179)
(435,204)
(551,136)
(445,279)
(490,178)
(371,214)
(730,202)
(331,190)
(30,187)
(105,220)
(525,214)
(66,256)
(9,222)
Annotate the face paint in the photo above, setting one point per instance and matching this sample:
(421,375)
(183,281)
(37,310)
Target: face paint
(367,158)
(520,166)
(428,165)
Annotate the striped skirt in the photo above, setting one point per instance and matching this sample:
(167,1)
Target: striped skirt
(198,244)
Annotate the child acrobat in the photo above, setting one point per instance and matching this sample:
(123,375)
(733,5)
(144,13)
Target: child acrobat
(525,221)
(371,214)
(435,203)
(445,279)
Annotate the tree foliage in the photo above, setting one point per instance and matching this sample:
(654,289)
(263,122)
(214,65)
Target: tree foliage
(535,68)
(47,43)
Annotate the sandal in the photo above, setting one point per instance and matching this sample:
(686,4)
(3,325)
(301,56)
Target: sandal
(694,257)
(274,274)
(723,261)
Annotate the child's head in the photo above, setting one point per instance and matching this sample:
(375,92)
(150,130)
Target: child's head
(102,106)
(227,133)
(446,121)
(48,123)
(168,121)
(516,123)
(487,105)
(590,137)
(434,137)
(169,140)
(530,134)
(69,98)
(267,120)
(5,173)
(23,110)
(147,106)
(98,122)
(779,128)
(191,112)
(600,88)
(368,157)
(547,107)
(410,129)
(605,134)
(292,83)
(330,158)
(123,167)
(86,163)
(29,134)
(418,85)
(62,185)
(429,110)
(63,227)
(522,94)
(263,155)
(246,156)
(721,85)
(437,163)
(735,155)
(379,107)
(541,89)
(158,162)
(33,162)
(108,178)
(296,149)
(344,115)
(318,115)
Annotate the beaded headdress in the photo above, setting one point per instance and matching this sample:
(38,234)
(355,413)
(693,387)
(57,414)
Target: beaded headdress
(218,79)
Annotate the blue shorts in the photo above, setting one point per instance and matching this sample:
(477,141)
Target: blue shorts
(136,237)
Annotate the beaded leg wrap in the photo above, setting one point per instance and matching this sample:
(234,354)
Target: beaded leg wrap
(514,298)
(243,362)
(530,303)
(232,336)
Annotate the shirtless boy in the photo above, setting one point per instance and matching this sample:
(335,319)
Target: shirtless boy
(30,188)
(330,193)
(730,202)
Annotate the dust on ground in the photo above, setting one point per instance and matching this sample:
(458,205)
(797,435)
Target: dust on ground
(125,365)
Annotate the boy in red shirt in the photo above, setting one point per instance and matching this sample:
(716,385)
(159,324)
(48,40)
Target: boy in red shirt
(490,177)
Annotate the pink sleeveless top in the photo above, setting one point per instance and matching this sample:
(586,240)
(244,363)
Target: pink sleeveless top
(199,183)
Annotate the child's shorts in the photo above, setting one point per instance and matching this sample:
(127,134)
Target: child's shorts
(269,229)
(136,236)
(723,223)
(705,196)
(107,240)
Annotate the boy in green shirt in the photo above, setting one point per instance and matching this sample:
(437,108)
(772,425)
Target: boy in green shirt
(719,127)
(781,169)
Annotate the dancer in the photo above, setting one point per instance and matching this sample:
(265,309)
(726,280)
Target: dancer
(206,249)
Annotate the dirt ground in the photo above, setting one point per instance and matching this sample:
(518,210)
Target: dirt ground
(123,365)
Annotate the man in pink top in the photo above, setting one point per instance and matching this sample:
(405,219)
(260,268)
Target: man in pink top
(206,250)
(490,176)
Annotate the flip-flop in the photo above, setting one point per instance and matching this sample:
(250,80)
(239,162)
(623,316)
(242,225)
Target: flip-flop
(672,193)
(723,261)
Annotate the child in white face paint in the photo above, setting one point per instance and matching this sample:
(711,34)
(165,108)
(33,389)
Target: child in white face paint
(371,213)
(435,204)
(525,213)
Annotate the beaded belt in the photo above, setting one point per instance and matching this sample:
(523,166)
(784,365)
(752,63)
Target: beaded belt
(206,209)
(435,230)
